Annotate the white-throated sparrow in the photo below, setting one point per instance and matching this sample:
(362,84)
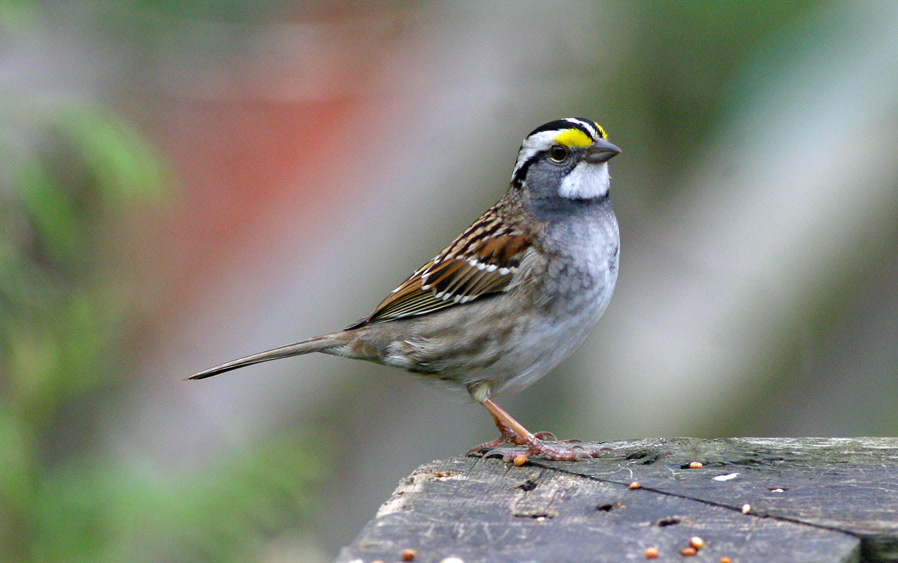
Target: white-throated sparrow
(512,296)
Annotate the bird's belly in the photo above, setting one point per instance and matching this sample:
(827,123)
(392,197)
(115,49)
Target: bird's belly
(542,347)
(510,356)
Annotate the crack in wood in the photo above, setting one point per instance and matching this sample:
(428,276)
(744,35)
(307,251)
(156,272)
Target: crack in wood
(810,499)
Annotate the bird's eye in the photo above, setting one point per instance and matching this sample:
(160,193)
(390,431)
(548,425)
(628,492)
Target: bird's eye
(557,153)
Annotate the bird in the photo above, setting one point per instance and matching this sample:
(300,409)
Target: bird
(515,294)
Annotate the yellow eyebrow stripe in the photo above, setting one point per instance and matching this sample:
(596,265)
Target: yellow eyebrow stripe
(573,138)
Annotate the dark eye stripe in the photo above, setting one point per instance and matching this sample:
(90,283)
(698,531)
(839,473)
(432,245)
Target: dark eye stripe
(522,171)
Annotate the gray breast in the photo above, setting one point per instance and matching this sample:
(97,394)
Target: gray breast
(584,271)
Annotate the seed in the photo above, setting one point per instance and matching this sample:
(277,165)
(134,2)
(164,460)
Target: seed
(634,485)
(409,554)
(695,465)
(651,553)
(696,542)
(746,508)
(520,460)
(688,551)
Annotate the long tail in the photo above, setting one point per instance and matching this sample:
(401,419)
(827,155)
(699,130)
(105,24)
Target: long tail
(316,344)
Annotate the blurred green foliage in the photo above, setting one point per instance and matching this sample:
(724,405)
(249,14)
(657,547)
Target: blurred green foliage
(74,176)
(72,171)
(95,512)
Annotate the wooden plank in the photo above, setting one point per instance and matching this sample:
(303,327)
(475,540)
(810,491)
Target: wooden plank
(846,484)
(484,510)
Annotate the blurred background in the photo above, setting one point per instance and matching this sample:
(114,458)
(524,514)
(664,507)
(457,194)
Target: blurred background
(185,182)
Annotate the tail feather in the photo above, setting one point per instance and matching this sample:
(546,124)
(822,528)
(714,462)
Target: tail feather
(317,344)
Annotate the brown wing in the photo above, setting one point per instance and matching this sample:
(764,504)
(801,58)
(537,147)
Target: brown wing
(483,260)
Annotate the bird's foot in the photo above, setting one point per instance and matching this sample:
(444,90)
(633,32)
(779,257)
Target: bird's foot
(562,450)
(537,445)
(512,432)
(508,437)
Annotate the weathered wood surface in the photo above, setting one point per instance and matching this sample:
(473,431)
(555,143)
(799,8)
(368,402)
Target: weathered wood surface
(809,500)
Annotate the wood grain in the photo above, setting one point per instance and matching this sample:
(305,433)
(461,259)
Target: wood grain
(809,500)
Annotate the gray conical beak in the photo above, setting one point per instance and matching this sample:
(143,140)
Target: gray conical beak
(601,151)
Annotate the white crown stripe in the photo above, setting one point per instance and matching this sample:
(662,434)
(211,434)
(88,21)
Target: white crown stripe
(589,126)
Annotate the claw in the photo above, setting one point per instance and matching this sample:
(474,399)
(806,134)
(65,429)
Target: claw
(508,437)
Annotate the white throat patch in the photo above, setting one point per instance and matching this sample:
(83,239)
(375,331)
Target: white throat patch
(586,181)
